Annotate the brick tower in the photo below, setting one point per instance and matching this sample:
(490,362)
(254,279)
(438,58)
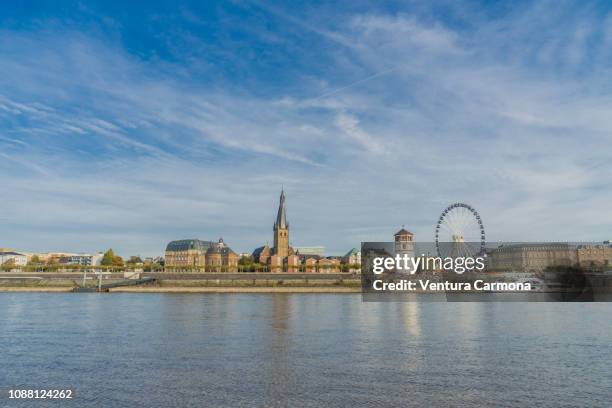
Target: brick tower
(281,230)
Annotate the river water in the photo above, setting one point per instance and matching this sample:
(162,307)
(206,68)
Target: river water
(303,350)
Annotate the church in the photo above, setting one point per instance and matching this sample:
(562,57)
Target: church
(281,257)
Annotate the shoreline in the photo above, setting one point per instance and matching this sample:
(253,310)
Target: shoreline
(237,289)
(184,283)
(7,289)
(189,289)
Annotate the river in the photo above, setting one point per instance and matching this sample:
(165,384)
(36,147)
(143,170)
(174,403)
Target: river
(302,350)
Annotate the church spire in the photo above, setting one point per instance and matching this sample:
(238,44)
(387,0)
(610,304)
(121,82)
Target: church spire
(281,217)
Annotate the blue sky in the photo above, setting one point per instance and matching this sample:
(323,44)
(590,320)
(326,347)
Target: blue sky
(128,125)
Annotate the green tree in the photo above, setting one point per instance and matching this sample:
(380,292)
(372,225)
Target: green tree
(107,259)
(134,260)
(246,264)
(152,267)
(245,260)
(35,260)
(9,264)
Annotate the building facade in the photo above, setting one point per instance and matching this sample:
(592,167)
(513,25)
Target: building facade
(353,259)
(538,257)
(594,256)
(201,256)
(82,259)
(12,258)
(535,257)
(404,245)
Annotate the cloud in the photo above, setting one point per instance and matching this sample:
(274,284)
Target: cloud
(128,97)
(370,119)
(406,32)
(349,125)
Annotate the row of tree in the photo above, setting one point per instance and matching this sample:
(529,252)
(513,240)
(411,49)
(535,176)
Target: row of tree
(109,261)
(248,264)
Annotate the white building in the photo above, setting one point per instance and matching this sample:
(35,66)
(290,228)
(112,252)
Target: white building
(82,259)
(15,258)
(352,257)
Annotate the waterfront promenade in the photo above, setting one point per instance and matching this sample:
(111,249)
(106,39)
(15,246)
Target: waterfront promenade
(187,282)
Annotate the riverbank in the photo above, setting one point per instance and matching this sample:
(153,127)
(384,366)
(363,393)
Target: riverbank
(244,289)
(269,285)
(192,289)
(34,289)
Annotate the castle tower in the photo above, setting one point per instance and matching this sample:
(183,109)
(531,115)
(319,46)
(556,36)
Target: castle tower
(404,245)
(281,230)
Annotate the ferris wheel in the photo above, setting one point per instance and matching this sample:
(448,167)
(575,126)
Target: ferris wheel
(459,232)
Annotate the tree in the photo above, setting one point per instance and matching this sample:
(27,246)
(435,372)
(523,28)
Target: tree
(9,262)
(35,260)
(117,261)
(246,264)
(245,260)
(107,259)
(152,267)
(134,260)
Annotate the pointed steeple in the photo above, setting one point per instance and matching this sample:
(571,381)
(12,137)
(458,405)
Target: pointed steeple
(281,217)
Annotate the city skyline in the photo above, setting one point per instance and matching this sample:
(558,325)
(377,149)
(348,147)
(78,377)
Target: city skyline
(128,130)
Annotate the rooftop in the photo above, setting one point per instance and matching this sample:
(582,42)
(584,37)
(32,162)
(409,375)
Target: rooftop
(189,244)
(281,216)
(353,251)
(403,232)
(208,247)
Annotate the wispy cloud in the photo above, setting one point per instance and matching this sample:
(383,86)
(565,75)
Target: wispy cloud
(349,126)
(369,118)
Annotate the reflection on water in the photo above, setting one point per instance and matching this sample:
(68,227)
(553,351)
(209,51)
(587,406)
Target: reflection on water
(131,350)
(280,377)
